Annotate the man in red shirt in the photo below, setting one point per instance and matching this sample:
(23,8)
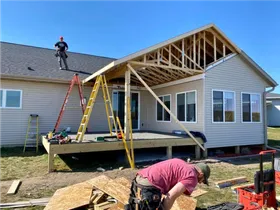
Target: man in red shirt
(172,178)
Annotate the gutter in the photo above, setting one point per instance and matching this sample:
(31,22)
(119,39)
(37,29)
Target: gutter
(265,116)
(36,79)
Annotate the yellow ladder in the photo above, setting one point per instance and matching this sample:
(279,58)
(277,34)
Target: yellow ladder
(32,133)
(107,101)
(100,80)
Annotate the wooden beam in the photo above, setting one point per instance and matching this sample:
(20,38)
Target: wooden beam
(224,50)
(115,73)
(187,57)
(199,53)
(194,49)
(215,49)
(147,75)
(14,187)
(158,57)
(230,182)
(187,70)
(204,49)
(221,39)
(169,54)
(183,53)
(164,106)
(127,97)
(167,76)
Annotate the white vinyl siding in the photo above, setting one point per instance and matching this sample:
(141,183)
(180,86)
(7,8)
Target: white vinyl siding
(162,114)
(149,112)
(186,106)
(234,74)
(223,106)
(10,98)
(251,107)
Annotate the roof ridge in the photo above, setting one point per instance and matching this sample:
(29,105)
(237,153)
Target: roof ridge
(32,46)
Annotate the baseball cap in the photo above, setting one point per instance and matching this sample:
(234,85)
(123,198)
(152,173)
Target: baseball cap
(205,170)
(61,37)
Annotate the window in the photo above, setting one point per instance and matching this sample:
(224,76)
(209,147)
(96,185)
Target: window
(223,106)
(10,98)
(251,107)
(186,106)
(162,114)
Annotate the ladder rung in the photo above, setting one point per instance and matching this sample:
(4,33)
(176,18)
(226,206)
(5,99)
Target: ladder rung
(111,116)
(80,132)
(31,139)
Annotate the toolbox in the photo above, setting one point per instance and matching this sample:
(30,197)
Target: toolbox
(262,193)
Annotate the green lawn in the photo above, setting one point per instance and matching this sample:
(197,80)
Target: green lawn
(16,165)
(273,136)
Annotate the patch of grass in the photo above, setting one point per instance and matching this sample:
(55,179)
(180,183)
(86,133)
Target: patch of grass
(273,136)
(18,165)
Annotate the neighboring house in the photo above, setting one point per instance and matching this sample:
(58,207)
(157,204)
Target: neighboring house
(217,90)
(273,109)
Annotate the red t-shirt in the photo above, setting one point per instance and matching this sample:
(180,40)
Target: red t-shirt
(166,174)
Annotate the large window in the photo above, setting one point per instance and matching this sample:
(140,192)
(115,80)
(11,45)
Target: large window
(186,106)
(162,114)
(10,98)
(223,106)
(251,107)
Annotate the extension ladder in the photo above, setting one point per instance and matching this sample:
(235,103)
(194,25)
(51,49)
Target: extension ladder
(32,133)
(75,80)
(100,81)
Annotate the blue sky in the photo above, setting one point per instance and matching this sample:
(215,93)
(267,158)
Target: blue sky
(115,29)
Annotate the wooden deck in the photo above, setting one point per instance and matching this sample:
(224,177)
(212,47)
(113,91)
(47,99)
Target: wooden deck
(141,140)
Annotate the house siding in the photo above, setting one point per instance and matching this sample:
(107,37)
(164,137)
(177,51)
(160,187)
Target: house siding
(273,112)
(148,110)
(45,99)
(238,76)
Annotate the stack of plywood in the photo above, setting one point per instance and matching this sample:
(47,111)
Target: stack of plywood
(102,193)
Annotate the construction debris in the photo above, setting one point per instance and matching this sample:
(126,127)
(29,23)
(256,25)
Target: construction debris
(71,197)
(14,187)
(20,204)
(101,169)
(102,193)
(234,188)
(230,182)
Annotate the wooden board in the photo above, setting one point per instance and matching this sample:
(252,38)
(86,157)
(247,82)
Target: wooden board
(14,187)
(234,188)
(71,197)
(198,192)
(123,181)
(111,187)
(230,182)
(184,203)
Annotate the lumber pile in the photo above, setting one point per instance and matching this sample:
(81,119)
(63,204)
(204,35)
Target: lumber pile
(104,193)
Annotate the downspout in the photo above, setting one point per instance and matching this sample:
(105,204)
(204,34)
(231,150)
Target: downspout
(265,116)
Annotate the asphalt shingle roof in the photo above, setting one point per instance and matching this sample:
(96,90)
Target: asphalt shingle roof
(17,60)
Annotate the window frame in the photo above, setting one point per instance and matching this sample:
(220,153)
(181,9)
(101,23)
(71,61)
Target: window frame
(234,105)
(5,99)
(163,108)
(195,98)
(241,99)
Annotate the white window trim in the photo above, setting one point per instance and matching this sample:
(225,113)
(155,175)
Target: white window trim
(251,107)
(195,93)
(163,109)
(5,100)
(234,105)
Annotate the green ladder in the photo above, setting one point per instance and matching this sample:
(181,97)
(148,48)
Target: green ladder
(32,133)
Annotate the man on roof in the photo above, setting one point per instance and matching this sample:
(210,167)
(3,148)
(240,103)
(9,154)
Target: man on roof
(171,178)
(61,48)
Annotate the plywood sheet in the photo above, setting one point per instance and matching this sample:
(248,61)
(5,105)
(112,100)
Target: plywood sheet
(71,197)
(123,181)
(111,187)
(198,192)
(184,203)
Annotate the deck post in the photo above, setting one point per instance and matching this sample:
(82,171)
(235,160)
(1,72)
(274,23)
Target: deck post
(237,149)
(205,153)
(197,152)
(169,152)
(51,162)
(127,98)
